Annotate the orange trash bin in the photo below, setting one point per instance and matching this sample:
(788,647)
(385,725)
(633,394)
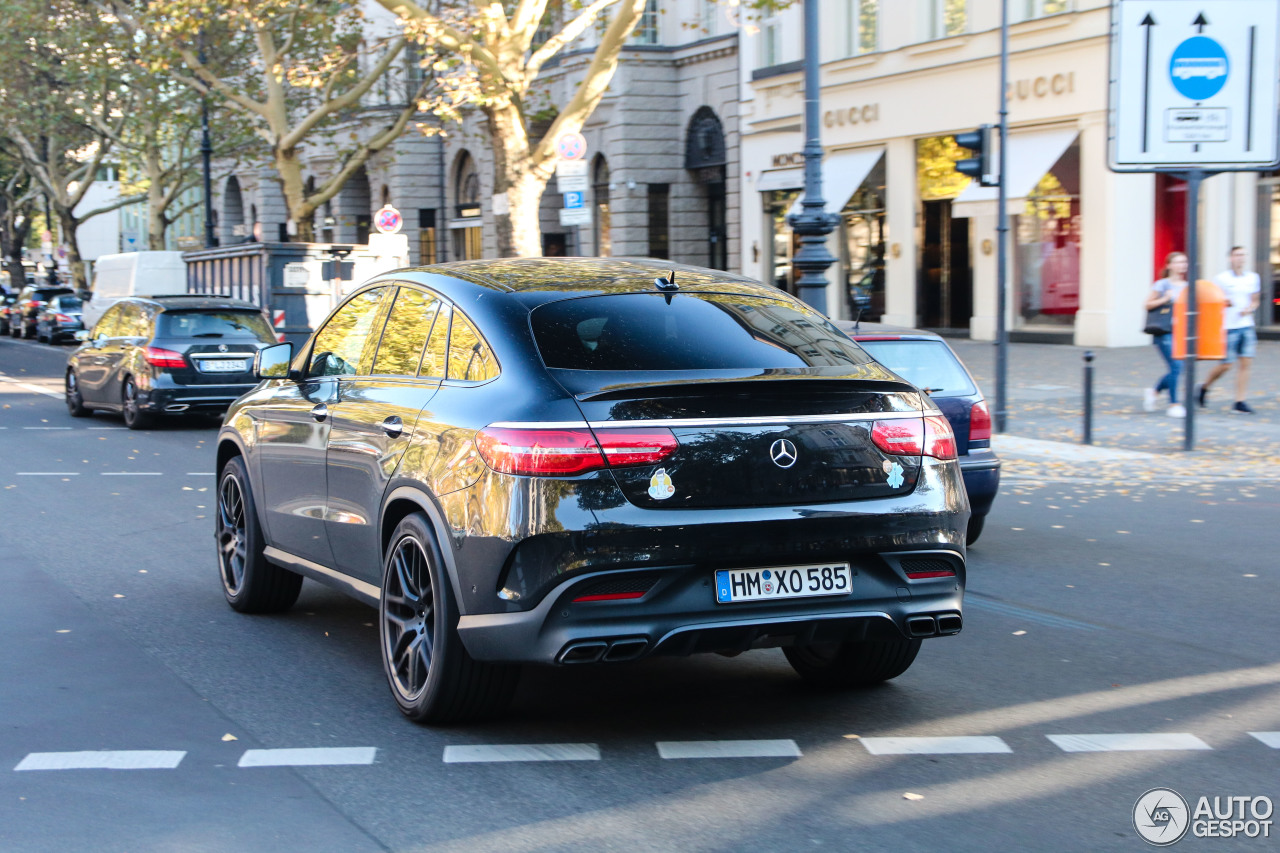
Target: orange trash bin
(1211,305)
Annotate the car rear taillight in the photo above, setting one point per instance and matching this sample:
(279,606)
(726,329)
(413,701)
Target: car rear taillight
(62,318)
(565,452)
(930,436)
(158,357)
(979,422)
(931,573)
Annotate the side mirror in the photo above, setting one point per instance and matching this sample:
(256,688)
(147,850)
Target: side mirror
(273,361)
(82,335)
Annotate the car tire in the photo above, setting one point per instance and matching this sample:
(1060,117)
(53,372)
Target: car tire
(855,663)
(75,403)
(432,677)
(134,417)
(976,523)
(250,582)
(41,339)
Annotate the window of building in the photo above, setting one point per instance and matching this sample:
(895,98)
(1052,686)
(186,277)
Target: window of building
(782,243)
(342,346)
(863,247)
(1047,246)
(408,327)
(1025,10)
(468,237)
(427,236)
(862,19)
(659,221)
(770,44)
(602,224)
(945,18)
(646,31)
(711,12)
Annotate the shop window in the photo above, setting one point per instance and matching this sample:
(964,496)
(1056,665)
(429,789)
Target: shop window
(936,173)
(863,247)
(1047,246)
(782,242)
(862,19)
(945,18)
(1269,247)
(659,221)
(427,236)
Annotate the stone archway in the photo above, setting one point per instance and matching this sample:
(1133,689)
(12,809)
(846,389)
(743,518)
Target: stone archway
(355,208)
(232,219)
(706,158)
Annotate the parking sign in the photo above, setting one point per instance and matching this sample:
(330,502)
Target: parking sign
(1194,85)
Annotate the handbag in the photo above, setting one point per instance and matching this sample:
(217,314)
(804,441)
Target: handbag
(1159,321)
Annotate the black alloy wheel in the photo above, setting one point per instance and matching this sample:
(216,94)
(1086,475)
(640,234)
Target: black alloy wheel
(134,417)
(431,675)
(250,583)
(854,663)
(75,402)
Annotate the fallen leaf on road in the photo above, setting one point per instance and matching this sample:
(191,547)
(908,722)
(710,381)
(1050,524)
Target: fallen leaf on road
(229,737)
(1018,633)
(911,796)
(117,595)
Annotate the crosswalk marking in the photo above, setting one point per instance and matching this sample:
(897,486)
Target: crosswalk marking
(123,759)
(312,757)
(934,745)
(487,752)
(782,748)
(1131,742)
(1271,739)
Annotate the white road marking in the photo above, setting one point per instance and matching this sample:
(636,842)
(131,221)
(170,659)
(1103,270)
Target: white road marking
(1271,739)
(784,748)
(35,389)
(101,428)
(124,759)
(132,473)
(48,474)
(309,757)
(46,427)
(200,474)
(1131,742)
(934,745)
(479,753)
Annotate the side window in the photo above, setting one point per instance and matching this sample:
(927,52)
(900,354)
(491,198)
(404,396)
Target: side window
(107,323)
(469,356)
(131,323)
(408,327)
(343,339)
(433,357)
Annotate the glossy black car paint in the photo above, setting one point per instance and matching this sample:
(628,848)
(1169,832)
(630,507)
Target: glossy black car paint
(105,367)
(979,464)
(59,319)
(23,312)
(332,483)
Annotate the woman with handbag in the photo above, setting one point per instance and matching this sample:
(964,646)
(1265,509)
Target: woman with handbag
(1160,326)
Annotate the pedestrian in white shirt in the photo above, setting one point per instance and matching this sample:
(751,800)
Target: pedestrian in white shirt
(1244,293)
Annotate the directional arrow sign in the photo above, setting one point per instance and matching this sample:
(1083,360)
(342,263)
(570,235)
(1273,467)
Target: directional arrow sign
(1194,85)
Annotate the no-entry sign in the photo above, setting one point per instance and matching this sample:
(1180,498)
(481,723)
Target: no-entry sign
(1194,85)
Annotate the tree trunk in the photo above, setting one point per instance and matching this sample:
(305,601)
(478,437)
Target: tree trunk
(519,232)
(157,223)
(300,210)
(79,277)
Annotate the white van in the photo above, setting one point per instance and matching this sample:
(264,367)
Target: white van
(133,274)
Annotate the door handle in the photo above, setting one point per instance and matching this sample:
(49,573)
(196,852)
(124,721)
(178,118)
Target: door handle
(393,426)
(320,412)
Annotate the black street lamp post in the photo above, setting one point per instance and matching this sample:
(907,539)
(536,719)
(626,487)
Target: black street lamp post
(206,156)
(812,224)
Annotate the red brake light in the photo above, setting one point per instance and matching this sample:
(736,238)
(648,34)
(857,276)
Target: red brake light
(566,452)
(611,596)
(930,436)
(158,357)
(62,318)
(979,422)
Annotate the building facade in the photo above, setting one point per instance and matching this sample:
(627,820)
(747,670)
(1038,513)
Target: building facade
(917,240)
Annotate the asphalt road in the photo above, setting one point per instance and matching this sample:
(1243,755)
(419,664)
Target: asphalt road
(1110,605)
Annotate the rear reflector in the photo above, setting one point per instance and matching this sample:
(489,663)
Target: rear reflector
(567,452)
(919,576)
(611,596)
(165,358)
(979,422)
(929,436)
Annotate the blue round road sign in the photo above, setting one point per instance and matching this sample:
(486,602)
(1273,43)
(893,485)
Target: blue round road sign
(1199,68)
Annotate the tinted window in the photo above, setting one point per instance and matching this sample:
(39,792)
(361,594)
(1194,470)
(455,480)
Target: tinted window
(433,358)
(68,303)
(929,365)
(469,356)
(341,342)
(406,332)
(106,325)
(133,322)
(705,331)
(250,325)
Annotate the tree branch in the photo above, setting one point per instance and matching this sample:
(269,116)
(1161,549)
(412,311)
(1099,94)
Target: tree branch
(568,33)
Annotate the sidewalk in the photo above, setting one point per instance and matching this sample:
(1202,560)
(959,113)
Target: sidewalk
(1046,391)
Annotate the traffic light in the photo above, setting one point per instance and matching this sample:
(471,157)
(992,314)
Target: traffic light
(979,166)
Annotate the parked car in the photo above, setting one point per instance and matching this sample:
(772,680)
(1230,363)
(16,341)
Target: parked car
(59,319)
(7,301)
(579,461)
(177,355)
(925,360)
(22,314)
(116,277)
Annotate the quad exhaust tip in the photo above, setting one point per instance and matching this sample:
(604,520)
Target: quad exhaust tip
(177,407)
(921,626)
(615,651)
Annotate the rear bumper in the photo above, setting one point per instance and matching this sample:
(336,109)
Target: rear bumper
(981,472)
(679,616)
(172,399)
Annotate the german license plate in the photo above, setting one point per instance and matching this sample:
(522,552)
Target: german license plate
(780,582)
(227,365)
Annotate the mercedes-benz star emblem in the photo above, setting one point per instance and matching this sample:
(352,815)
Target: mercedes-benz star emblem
(222,347)
(783,453)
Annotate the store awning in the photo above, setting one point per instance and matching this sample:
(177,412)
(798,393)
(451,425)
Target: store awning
(842,173)
(780,179)
(1030,156)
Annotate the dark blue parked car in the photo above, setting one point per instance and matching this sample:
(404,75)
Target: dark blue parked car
(924,359)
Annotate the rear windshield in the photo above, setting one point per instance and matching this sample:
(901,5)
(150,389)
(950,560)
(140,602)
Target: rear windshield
(931,366)
(694,331)
(68,303)
(215,324)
